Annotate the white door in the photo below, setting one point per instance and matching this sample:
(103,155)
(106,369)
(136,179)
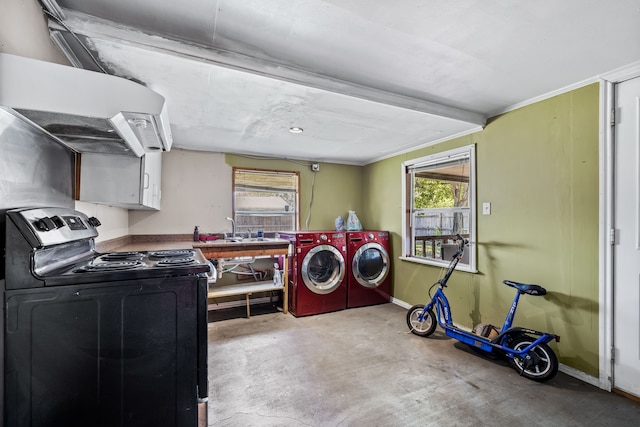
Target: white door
(626,287)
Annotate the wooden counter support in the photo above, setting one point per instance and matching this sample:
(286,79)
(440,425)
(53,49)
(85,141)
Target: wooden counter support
(274,248)
(246,290)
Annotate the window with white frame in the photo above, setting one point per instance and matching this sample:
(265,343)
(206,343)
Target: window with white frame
(439,197)
(265,200)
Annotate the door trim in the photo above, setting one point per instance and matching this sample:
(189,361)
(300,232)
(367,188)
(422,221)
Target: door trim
(605,255)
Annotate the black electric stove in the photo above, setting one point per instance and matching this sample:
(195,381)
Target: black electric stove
(100,339)
(56,247)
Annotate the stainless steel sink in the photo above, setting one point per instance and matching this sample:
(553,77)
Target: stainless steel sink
(245,240)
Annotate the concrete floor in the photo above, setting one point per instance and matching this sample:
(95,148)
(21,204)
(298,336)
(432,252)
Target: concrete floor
(361,367)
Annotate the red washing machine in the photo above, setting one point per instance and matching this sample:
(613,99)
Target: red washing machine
(369,279)
(317,275)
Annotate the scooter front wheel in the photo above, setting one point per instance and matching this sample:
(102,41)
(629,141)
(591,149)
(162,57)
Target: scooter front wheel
(424,328)
(539,364)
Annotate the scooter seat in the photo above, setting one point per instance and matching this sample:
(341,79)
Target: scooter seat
(535,290)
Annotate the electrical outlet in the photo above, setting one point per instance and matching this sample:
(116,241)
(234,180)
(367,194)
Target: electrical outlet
(315,167)
(486,208)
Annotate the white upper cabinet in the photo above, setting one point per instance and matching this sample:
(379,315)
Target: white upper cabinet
(122,181)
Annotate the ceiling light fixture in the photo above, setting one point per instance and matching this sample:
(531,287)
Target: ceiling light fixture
(139,123)
(296,129)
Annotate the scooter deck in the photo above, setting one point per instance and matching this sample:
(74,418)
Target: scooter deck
(469,338)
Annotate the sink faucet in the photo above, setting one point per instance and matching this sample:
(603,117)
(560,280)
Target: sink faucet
(233,226)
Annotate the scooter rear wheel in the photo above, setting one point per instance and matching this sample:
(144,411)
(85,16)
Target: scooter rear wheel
(424,328)
(540,364)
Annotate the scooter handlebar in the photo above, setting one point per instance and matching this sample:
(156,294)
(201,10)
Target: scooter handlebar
(462,241)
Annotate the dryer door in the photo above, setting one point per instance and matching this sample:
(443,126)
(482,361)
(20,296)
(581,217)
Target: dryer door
(322,269)
(370,265)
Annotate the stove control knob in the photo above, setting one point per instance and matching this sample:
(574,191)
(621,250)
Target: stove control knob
(44,224)
(58,221)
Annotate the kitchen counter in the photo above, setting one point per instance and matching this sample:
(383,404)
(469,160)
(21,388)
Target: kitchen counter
(211,248)
(225,249)
(244,247)
(248,248)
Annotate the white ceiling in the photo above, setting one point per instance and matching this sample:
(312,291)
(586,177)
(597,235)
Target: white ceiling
(364,79)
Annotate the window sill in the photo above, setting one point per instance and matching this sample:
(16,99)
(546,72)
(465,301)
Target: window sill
(437,263)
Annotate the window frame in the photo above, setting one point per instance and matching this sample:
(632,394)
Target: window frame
(408,249)
(296,210)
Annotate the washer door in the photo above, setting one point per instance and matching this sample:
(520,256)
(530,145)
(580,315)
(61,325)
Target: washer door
(322,269)
(370,265)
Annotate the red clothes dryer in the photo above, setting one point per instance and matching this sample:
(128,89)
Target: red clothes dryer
(317,275)
(369,278)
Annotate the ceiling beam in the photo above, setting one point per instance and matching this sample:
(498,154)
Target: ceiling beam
(92,27)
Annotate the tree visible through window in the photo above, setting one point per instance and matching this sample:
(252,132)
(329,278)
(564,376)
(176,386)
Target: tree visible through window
(265,200)
(440,205)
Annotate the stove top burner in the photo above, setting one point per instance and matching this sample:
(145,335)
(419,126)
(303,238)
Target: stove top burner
(176,262)
(172,253)
(154,260)
(111,266)
(122,256)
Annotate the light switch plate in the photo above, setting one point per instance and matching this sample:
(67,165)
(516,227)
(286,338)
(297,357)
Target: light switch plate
(486,208)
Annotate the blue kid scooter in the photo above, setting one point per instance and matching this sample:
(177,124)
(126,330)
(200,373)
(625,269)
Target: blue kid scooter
(526,349)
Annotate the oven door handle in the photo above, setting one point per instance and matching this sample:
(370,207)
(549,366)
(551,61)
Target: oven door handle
(212,273)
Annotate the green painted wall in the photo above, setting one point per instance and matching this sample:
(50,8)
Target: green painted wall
(538,166)
(337,189)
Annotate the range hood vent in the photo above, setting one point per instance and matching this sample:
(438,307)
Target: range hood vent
(90,112)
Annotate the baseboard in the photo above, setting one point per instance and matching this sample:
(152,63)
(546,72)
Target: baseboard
(572,372)
(401,303)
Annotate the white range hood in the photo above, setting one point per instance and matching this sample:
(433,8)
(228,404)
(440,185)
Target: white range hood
(86,110)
